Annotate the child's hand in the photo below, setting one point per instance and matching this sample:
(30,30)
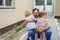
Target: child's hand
(40,30)
(31,20)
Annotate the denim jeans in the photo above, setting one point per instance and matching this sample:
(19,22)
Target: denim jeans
(32,34)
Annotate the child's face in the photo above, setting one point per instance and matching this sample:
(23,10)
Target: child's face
(44,16)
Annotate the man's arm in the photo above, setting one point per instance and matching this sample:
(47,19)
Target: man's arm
(47,26)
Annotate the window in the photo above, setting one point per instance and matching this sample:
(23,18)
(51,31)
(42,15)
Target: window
(6,3)
(49,2)
(1,2)
(39,2)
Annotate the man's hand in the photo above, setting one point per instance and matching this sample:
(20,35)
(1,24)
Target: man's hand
(47,26)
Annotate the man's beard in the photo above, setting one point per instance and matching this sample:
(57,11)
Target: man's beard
(36,16)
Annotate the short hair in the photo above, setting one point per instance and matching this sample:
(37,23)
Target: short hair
(42,14)
(35,9)
(27,13)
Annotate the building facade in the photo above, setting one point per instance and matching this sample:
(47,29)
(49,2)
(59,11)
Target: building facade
(12,11)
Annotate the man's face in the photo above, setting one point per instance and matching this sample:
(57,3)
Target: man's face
(35,13)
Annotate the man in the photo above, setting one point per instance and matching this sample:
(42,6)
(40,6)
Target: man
(46,29)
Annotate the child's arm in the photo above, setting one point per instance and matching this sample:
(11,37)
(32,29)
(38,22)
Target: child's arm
(24,23)
(31,20)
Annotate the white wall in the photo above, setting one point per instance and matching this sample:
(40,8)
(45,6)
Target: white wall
(57,8)
(10,16)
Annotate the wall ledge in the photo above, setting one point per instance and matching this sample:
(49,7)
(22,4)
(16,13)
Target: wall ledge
(10,27)
(57,16)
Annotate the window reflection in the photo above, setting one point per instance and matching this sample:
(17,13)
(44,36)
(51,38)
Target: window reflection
(1,2)
(49,2)
(39,2)
(8,2)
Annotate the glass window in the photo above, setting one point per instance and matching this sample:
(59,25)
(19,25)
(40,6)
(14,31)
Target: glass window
(39,2)
(49,2)
(1,2)
(8,2)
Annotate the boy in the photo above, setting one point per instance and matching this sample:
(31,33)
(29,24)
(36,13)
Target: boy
(29,25)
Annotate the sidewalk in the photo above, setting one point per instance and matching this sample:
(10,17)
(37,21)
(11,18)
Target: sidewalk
(58,26)
(58,20)
(55,35)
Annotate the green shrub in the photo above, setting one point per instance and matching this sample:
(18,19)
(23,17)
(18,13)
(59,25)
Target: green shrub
(19,28)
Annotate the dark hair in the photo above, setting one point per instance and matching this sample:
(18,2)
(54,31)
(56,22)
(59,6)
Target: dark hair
(42,14)
(35,9)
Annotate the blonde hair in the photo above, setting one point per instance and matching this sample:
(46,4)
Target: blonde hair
(27,13)
(42,14)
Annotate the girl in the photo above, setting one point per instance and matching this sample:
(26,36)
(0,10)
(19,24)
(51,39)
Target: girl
(42,22)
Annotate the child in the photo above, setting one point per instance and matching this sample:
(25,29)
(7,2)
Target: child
(29,25)
(27,13)
(42,22)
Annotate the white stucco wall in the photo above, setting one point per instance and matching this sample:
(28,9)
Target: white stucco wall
(10,16)
(57,8)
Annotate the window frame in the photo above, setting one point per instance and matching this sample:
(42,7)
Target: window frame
(8,7)
(39,4)
(49,2)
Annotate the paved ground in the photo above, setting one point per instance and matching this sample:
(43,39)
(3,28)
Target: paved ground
(55,35)
(54,29)
(58,20)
